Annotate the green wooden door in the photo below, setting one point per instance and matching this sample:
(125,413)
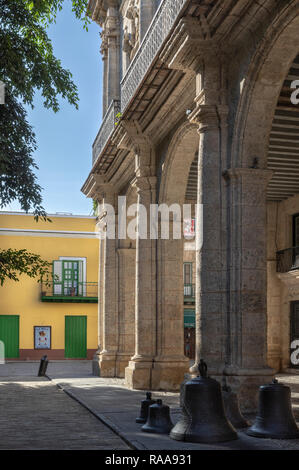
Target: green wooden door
(75,337)
(9,334)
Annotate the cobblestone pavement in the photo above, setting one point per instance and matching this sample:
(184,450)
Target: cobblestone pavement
(35,414)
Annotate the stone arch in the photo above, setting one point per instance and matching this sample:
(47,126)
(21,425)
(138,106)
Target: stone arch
(261,89)
(175,172)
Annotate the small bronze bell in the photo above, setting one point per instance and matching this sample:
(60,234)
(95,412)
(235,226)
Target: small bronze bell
(158,420)
(144,408)
(203,418)
(275,418)
(232,408)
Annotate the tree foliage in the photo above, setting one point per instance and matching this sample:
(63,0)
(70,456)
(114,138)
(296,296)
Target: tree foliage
(13,263)
(28,64)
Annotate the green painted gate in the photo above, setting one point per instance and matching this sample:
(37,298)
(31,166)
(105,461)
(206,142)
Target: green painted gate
(9,334)
(75,337)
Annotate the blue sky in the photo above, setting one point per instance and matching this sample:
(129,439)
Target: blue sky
(65,138)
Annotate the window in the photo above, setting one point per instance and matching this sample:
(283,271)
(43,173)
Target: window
(68,277)
(187,273)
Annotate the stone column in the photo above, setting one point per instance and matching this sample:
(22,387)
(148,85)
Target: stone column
(112,31)
(105,81)
(126,308)
(139,372)
(247,352)
(211,276)
(109,320)
(96,358)
(147,11)
(170,363)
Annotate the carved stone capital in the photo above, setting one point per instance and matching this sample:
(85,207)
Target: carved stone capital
(146,183)
(205,117)
(138,142)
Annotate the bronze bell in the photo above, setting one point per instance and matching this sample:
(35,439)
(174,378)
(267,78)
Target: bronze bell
(144,408)
(203,418)
(232,408)
(275,418)
(158,420)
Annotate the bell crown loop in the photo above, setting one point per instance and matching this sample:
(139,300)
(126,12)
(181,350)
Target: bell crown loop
(202,368)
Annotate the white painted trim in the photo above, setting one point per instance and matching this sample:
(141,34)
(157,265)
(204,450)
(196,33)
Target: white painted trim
(30,214)
(46,233)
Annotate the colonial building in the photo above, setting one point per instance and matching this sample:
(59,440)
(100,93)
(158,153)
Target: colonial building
(199,105)
(58,316)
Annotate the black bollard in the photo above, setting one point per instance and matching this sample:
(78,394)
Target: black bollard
(43,366)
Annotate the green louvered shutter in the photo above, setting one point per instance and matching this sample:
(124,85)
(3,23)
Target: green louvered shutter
(189,318)
(75,337)
(9,334)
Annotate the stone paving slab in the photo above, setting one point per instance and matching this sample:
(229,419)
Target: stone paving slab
(67,368)
(35,414)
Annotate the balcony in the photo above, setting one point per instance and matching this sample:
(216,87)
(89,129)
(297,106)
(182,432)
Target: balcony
(150,47)
(106,130)
(287,260)
(80,292)
(189,293)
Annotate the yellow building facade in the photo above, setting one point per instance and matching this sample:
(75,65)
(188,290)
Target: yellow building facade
(57,317)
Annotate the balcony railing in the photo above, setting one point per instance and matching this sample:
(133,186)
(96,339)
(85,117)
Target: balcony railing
(287,260)
(189,292)
(107,127)
(79,292)
(150,46)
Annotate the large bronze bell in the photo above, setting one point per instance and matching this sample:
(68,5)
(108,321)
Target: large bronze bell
(203,418)
(144,408)
(232,408)
(275,418)
(158,420)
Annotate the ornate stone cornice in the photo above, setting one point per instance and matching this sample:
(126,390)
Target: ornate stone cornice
(97,187)
(97,10)
(188,44)
(248,175)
